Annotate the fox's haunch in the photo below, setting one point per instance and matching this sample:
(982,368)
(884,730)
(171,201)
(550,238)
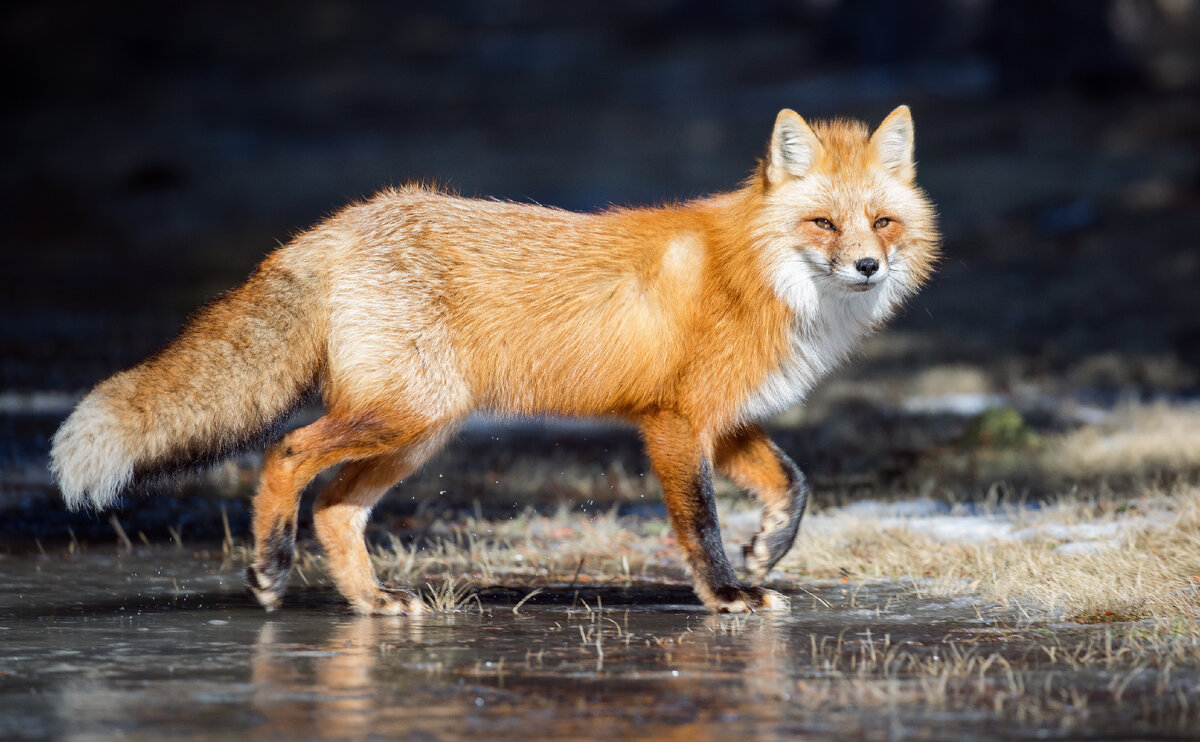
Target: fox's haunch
(236,368)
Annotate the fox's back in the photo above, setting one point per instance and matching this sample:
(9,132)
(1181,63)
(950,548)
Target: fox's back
(528,308)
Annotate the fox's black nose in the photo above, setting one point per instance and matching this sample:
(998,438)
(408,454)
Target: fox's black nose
(867,266)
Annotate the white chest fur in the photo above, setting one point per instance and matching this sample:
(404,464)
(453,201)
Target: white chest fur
(828,323)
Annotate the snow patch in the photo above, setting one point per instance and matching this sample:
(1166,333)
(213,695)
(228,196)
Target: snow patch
(966,404)
(921,506)
(957,527)
(947,524)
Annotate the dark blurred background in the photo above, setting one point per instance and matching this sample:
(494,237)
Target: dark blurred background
(156,151)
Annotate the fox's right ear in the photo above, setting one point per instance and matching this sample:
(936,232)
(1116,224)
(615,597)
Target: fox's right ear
(794,148)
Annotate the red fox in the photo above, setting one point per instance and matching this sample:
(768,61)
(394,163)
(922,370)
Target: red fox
(415,308)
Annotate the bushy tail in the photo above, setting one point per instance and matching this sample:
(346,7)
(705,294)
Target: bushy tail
(239,365)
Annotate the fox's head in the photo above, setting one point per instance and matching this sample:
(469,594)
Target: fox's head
(842,216)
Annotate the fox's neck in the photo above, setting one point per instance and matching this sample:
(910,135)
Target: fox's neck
(809,325)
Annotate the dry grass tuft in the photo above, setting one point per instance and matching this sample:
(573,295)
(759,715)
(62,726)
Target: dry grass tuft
(450,596)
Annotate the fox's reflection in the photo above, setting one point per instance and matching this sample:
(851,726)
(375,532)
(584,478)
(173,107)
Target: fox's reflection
(327,689)
(366,678)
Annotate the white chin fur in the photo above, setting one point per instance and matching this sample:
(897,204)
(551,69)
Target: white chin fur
(87,456)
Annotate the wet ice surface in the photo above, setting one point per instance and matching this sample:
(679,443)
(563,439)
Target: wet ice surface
(162,643)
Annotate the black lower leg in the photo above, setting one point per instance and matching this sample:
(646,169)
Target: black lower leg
(780,523)
(705,553)
(267,577)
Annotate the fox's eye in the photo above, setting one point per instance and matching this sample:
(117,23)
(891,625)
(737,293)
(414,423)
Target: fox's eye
(824,223)
(882,222)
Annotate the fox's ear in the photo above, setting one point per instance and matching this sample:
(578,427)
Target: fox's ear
(892,143)
(794,148)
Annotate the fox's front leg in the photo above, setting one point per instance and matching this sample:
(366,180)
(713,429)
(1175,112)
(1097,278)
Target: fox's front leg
(683,463)
(756,464)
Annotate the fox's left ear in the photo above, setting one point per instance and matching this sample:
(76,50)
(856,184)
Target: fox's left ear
(892,143)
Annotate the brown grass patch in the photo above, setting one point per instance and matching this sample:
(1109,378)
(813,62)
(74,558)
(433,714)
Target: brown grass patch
(1137,439)
(1084,560)
(534,548)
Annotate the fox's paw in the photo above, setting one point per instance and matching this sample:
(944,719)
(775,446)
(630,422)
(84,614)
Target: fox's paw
(390,601)
(758,559)
(772,542)
(735,599)
(266,589)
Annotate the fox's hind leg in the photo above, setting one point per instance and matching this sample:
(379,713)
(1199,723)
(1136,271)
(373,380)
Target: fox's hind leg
(754,463)
(340,516)
(288,468)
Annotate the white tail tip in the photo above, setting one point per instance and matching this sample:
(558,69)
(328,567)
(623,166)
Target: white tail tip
(88,457)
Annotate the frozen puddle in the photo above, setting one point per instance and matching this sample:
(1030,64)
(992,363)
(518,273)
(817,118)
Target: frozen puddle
(163,645)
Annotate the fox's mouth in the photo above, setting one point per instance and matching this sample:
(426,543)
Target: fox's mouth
(857,283)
